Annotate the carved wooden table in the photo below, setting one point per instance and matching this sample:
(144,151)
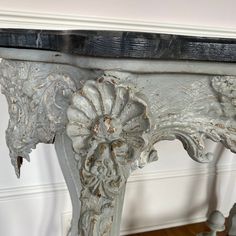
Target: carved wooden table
(105,98)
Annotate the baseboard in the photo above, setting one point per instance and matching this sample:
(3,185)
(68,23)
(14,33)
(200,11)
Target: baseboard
(148,228)
(38,195)
(169,224)
(166,174)
(33,20)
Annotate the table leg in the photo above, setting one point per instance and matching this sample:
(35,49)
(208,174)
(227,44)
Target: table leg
(102,143)
(232,221)
(94,212)
(216,222)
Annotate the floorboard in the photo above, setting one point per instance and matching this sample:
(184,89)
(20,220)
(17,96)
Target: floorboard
(188,230)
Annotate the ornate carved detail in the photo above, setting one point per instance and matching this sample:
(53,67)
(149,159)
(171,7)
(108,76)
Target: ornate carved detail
(36,96)
(107,125)
(225,86)
(211,115)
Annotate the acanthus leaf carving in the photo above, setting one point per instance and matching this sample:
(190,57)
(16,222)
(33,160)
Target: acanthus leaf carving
(36,99)
(211,116)
(225,87)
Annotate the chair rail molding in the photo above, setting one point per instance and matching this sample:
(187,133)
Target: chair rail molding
(12,193)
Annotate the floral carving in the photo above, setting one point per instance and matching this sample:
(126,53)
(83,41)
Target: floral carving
(225,86)
(107,126)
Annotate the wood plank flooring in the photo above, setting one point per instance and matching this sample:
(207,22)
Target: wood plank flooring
(188,230)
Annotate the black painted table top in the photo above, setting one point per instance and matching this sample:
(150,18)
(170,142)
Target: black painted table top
(114,44)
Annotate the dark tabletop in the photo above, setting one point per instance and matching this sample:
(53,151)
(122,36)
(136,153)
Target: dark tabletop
(113,44)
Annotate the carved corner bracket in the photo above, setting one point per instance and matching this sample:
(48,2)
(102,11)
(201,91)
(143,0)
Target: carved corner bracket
(36,95)
(208,112)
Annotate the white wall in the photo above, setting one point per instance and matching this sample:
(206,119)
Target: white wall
(220,13)
(186,17)
(173,191)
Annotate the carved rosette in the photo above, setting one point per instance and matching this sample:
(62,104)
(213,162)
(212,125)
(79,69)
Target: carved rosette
(107,126)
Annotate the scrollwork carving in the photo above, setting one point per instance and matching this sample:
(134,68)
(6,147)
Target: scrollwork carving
(210,114)
(36,97)
(225,87)
(110,128)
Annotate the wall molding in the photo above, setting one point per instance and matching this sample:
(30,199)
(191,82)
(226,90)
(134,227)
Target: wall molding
(149,228)
(34,20)
(167,224)
(197,171)
(31,191)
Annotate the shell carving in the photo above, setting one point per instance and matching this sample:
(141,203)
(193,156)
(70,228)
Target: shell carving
(106,126)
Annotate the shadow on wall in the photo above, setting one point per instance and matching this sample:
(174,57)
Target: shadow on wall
(48,220)
(206,192)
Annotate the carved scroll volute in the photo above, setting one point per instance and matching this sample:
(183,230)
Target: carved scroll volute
(209,112)
(36,95)
(108,124)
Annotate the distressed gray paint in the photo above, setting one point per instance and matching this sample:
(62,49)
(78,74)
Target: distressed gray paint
(216,222)
(105,123)
(109,126)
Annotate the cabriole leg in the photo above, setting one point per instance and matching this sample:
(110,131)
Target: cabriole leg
(93,214)
(103,141)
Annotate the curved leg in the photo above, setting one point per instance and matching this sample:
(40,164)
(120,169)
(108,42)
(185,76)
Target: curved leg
(89,207)
(232,221)
(103,141)
(68,165)
(216,222)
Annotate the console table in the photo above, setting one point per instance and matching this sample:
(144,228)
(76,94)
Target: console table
(105,99)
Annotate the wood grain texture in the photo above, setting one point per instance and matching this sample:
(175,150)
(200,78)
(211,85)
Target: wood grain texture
(113,44)
(188,230)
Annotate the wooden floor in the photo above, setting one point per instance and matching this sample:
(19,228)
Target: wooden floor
(189,230)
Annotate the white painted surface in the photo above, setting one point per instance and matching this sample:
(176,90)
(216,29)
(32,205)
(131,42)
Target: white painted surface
(173,191)
(199,18)
(211,13)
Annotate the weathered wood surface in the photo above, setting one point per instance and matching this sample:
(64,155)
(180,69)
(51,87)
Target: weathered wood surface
(122,44)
